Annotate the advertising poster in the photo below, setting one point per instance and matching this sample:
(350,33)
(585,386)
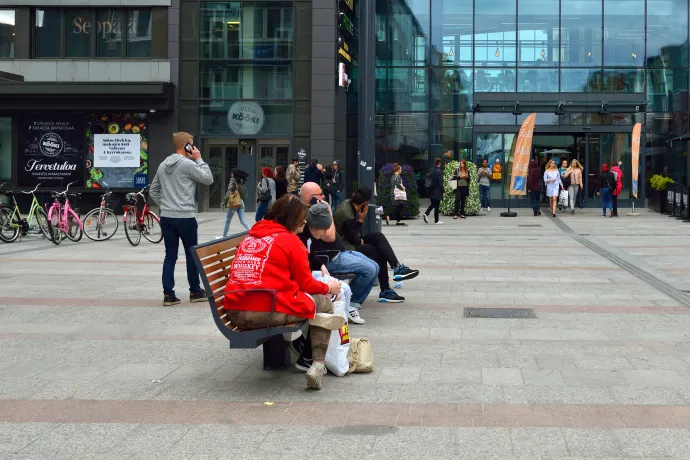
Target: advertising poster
(637,129)
(51,151)
(523,148)
(115,136)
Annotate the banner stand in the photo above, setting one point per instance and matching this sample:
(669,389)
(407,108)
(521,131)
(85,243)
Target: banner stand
(521,152)
(633,213)
(508,213)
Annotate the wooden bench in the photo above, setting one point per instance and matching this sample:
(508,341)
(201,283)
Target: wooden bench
(213,260)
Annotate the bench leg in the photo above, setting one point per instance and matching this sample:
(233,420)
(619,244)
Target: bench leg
(276,354)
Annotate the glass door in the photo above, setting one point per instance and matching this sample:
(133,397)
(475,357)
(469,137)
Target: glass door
(272,154)
(222,158)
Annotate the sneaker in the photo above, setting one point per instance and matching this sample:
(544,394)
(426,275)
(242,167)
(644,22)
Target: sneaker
(439,223)
(303,364)
(401,224)
(481,209)
(489,209)
(404,273)
(328,321)
(315,375)
(170,300)
(354,317)
(390,296)
(298,346)
(426,218)
(198,296)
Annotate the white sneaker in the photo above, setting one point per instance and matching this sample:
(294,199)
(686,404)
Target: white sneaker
(315,375)
(481,209)
(426,218)
(489,209)
(354,317)
(328,321)
(439,223)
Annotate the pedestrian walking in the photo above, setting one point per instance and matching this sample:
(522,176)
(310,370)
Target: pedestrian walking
(236,190)
(552,179)
(266,193)
(618,175)
(399,196)
(606,184)
(534,186)
(462,176)
(564,166)
(281,182)
(484,175)
(433,182)
(337,186)
(574,176)
(292,176)
(173,189)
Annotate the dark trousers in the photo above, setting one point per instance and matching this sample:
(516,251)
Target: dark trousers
(261,211)
(614,199)
(398,206)
(174,230)
(535,198)
(435,204)
(377,248)
(461,194)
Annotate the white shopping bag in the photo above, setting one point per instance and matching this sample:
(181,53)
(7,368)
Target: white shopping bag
(339,344)
(563,199)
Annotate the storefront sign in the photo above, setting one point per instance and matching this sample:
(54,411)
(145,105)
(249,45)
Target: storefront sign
(51,151)
(523,148)
(116,150)
(246,118)
(636,157)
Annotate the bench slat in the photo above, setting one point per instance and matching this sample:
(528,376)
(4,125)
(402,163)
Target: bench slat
(222,257)
(221,246)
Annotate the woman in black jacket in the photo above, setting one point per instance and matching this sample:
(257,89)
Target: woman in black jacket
(605,187)
(281,182)
(435,189)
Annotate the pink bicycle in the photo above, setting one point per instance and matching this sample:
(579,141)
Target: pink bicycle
(62,220)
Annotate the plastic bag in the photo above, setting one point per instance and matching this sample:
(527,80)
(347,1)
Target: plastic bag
(339,344)
(361,357)
(563,199)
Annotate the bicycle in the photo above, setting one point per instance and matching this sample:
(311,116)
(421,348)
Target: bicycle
(140,223)
(62,219)
(12,224)
(101,223)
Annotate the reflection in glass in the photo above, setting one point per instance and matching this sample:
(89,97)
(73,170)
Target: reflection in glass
(667,89)
(380,31)
(221,80)
(543,118)
(664,157)
(495,33)
(538,32)
(109,40)
(581,80)
(494,80)
(538,80)
(407,134)
(623,81)
(581,33)
(451,90)
(409,32)
(451,37)
(624,33)
(490,147)
(452,132)
(47,36)
(7,34)
(490,118)
(381,81)
(139,33)
(407,89)
(79,29)
(667,33)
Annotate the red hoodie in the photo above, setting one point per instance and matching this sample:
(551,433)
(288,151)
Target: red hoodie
(619,180)
(271,257)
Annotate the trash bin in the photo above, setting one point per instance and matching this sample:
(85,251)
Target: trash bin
(372,223)
(685,211)
(670,198)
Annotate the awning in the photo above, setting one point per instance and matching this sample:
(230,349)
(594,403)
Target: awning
(560,103)
(84,96)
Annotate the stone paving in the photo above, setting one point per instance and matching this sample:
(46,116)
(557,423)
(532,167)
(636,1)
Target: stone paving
(602,373)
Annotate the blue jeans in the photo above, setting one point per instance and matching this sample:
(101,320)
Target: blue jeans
(261,211)
(365,269)
(336,199)
(174,230)
(606,199)
(535,198)
(485,195)
(228,218)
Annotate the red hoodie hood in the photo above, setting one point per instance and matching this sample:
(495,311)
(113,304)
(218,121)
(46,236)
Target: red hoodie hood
(265,228)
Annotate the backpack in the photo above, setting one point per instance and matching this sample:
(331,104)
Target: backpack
(327,188)
(429,179)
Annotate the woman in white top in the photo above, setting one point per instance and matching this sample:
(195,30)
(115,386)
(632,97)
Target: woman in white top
(552,179)
(575,174)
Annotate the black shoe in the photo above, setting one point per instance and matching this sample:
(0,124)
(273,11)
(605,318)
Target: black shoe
(390,296)
(198,296)
(299,345)
(303,363)
(401,224)
(404,273)
(170,300)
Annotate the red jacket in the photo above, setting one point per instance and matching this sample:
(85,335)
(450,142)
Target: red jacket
(271,257)
(619,180)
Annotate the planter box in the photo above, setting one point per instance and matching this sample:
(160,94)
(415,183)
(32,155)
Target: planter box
(657,200)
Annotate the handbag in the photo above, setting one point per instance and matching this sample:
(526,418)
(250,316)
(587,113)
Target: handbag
(360,356)
(264,195)
(399,195)
(234,200)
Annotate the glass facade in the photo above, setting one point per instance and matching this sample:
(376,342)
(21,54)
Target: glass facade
(434,56)
(7,33)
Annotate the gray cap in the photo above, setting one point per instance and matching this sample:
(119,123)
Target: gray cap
(319,216)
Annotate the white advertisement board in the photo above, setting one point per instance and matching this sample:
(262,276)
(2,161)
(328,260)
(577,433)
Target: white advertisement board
(116,150)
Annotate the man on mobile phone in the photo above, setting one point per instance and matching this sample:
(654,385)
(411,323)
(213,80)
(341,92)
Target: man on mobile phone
(173,189)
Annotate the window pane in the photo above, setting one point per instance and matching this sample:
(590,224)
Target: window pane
(451,90)
(109,33)
(667,33)
(5,148)
(581,81)
(452,132)
(246,30)
(79,30)
(494,80)
(538,80)
(452,32)
(221,80)
(407,137)
(381,35)
(623,81)
(489,118)
(667,90)
(409,32)
(538,32)
(139,33)
(624,32)
(6,34)
(581,32)
(495,36)
(47,32)
(408,89)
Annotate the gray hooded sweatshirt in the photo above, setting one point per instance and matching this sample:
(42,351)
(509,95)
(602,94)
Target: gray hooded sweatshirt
(174,186)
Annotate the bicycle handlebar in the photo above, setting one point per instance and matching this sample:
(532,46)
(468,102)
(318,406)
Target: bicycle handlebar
(34,190)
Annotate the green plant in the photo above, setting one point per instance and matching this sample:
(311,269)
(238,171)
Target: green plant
(472,204)
(659,182)
(385,191)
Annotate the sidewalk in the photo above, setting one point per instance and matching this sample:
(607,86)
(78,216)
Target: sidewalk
(603,371)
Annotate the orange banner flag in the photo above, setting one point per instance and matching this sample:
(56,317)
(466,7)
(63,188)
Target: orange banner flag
(637,131)
(521,155)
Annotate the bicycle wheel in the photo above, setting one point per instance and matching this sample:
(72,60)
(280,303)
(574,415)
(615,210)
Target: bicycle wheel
(74,232)
(100,225)
(132,228)
(54,229)
(42,221)
(152,230)
(8,231)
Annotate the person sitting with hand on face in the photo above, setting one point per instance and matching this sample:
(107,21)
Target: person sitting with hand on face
(349,220)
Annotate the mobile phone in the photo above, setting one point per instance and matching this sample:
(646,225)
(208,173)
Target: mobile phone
(188,148)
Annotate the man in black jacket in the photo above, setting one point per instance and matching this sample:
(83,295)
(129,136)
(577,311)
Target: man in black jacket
(313,173)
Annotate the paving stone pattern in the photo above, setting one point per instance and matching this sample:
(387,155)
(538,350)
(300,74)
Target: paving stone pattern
(92,367)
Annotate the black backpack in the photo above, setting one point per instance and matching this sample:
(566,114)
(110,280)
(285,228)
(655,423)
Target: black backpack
(429,179)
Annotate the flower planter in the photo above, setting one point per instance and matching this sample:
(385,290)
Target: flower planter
(657,200)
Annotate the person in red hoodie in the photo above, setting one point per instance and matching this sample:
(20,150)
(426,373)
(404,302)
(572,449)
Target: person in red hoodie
(618,174)
(271,267)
